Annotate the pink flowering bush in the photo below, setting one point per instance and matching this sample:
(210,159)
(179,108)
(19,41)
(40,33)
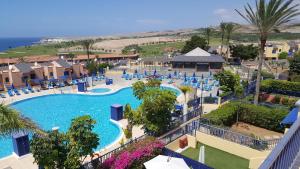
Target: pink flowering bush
(135,155)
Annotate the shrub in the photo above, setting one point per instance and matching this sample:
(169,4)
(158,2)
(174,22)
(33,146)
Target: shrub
(276,99)
(291,102)
(280,85)
(295,78)
(127,133)
(134,156)
(283,55)
(261,116)
(264,74)
(284,100)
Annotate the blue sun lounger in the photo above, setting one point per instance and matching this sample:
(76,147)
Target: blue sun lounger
(24,90)
(17,91)
(30,89)
(2,95)
(10,93)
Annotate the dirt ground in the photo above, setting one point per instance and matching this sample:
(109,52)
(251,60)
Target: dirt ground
(257,131)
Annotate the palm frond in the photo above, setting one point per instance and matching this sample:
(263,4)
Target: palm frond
(11,121)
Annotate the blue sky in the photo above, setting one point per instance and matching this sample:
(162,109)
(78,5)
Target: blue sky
(49,18)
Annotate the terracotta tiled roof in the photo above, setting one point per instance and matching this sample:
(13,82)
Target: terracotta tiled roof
(104,56)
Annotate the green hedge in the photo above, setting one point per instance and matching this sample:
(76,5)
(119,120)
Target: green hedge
(259,116)
(283,85)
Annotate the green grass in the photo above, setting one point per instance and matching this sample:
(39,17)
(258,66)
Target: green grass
(217,159)
(158,49)
(36,50)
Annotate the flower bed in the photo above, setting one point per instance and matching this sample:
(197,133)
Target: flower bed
(278,99)
(135,155)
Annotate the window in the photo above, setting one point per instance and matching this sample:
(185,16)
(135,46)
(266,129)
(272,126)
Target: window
(51,74)
(7,80)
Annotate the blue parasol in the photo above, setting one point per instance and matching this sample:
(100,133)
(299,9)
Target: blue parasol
(185,76)
(202,77)
(194,80)
(194,75)
(135,71)
(12,86)
(124,72)
(145,73)
(154,73)
(170,76)
(26,83)
(175,73)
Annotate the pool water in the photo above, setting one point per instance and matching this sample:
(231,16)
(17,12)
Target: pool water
(58,110)
(100,90)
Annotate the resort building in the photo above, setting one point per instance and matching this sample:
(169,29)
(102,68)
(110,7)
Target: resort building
(19,73)
(272,51)
(198,60)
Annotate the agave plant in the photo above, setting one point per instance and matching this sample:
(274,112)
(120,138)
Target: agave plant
(268,16)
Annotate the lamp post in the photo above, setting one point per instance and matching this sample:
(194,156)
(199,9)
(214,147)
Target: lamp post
(201,99)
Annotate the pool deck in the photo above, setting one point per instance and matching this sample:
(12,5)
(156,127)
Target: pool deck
(26,162)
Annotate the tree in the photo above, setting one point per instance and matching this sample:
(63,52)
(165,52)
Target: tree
(283,55)
(81,137)
(11,121)
(153,83)
(223,29)
(49,151)
(129,48)
(229,28)
(244,52)
(196,41)
(185,90)
(139,89)
(92,67)
(87,46)
(208,32)
(294,68)
(156,110)
(71,56)
(133,118)
(65,150)
(267,17)
(228,80)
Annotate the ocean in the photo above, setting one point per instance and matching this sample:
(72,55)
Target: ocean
(7,43)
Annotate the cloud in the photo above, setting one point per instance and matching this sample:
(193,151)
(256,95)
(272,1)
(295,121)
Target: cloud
(224,14)
(151,21)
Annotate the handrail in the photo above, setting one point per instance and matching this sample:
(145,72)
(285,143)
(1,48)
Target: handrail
(286,150)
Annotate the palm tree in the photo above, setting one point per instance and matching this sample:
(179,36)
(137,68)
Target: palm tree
(267,17)
(185,90)
(11,121)
(229,28)
(208,32)
(87,45)
(223,28)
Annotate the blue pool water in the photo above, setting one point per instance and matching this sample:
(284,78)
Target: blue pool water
(58,110)
(100,90)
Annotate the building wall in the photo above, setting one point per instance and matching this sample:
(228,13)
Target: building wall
(273,52)
(77,70)
(17,79)
(39,73)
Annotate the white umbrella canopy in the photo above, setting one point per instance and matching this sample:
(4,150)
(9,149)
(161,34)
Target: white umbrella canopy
(162,162)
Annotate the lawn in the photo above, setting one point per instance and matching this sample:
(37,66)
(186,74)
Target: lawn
(217,159)
(36,50)
(158,49)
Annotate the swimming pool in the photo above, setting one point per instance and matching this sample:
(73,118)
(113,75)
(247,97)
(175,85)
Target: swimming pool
(100,90)
(59,109)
